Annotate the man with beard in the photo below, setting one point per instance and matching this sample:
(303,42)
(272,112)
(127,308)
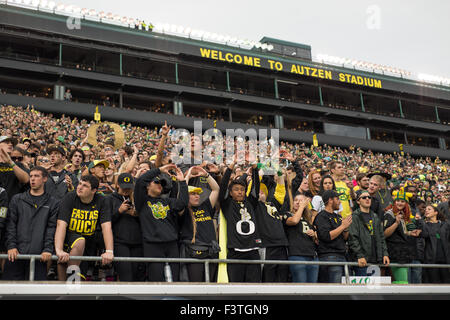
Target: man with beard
(332,232)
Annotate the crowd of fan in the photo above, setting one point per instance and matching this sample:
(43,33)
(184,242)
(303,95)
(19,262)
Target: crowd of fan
(64,192)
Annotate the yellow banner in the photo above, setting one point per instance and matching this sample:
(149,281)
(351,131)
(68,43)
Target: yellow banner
(288,67)
(222,274)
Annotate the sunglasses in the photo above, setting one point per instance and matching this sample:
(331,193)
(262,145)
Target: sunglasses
(17,159)
(366,197)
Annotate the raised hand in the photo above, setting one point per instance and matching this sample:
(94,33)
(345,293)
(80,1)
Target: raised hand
(167,168)
(165,129)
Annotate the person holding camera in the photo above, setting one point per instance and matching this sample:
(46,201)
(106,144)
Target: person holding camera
(126,229)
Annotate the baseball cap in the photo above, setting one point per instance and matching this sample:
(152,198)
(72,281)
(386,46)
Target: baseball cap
(8,138)
(195,189)
(126,181)
(57,149)
(97,162)
(329,194)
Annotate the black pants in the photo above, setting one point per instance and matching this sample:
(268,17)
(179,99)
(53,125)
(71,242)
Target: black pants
(275,272)
(20,270)
(155,270)
(129,271)
(436,275)
(94,247)
(238,272)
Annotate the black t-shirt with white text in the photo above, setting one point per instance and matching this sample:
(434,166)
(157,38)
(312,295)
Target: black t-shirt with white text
(300,244)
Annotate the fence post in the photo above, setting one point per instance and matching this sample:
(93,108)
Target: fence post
(32,265)
(207,271)
(347,274)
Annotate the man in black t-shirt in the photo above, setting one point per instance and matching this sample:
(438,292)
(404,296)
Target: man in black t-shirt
(332,232)
(79,214)
(243,239)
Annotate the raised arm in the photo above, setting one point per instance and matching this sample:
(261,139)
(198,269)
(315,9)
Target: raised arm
(225,180)
(253,196)
(162,143)
(182,201)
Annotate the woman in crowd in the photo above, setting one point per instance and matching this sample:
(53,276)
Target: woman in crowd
(314,179)
(396,220)
(436,232)
(198,233)
(302,239)
(327,183)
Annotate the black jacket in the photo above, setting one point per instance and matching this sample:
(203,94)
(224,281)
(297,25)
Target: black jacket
(126,228)
(324,223)
(3,209)
(431,241)
(297,181)
(59,188)
(360,242)
(31,228)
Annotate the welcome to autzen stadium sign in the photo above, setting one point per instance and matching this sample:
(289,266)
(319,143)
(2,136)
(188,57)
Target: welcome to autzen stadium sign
(293,68)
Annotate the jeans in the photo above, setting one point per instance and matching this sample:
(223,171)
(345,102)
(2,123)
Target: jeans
(332,274)
(303,273)
(415,274)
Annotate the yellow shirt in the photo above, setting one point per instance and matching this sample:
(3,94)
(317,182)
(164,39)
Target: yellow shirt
(341,187)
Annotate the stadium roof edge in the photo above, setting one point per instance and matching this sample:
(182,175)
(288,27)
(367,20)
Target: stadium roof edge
(286,43)
(217,46)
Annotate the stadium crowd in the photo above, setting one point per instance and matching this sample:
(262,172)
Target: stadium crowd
(68,191)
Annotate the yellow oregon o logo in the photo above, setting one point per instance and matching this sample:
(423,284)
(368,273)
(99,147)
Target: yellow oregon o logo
(119,135)
(126,179)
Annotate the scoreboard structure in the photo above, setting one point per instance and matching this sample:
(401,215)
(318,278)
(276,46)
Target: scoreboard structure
(146,77)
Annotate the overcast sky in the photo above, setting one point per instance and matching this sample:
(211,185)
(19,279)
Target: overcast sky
(412,35)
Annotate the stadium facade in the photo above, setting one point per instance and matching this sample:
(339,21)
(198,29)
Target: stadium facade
(146,77)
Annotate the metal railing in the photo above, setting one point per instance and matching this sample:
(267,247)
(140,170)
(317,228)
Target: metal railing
(207,262)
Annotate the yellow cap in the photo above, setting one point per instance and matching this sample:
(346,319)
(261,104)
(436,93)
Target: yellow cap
(192,189)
